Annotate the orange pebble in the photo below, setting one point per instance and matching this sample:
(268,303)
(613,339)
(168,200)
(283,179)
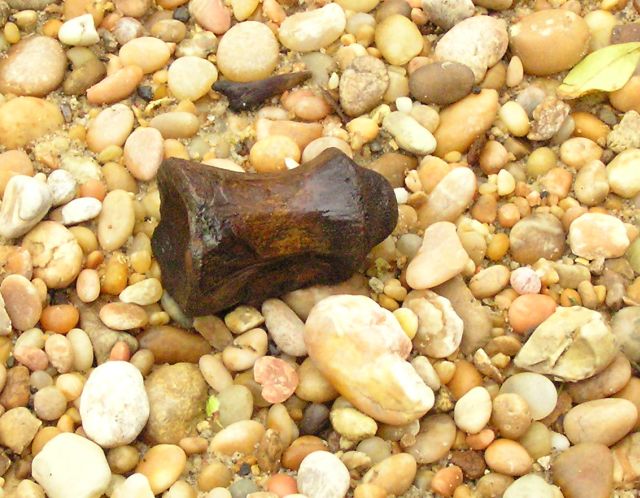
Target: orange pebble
(120,351)
(93,188)
(481,440)
(465,378)
(60,318)
(282,485)
(446,480)
(530,310)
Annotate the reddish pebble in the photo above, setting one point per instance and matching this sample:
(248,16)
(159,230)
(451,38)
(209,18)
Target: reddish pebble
(32,358)
(525,280)
(279,380)
(120,352)
(446,480)
(481,440)
(93,188)
(282,485)
(530,310)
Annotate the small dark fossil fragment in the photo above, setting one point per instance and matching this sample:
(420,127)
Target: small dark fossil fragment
(227,238)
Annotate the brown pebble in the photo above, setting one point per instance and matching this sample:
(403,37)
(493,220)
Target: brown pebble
(584,471)
(16,390)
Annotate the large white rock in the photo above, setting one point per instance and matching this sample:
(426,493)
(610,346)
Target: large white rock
(71,466)
(114,406)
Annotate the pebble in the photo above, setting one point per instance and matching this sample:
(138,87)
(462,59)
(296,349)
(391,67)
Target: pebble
(335,328)
(123,316)
(114,405)
(270,154)
(591,186)
(508,457)
(352,424)
(525,280)
(624,325)
(489,281)
(473,410)
(177,396)
(537,236)
(312,30)
(440,329)
(212,15)
(597,235)
(584,470)
(278,378)
(21,301)
(79,32)
(135,486)
(477,42)
(116,86)
(626,463)
(323,475)
(530,486)
(530,310)
(572,344)
(409,134)
(248,52)
(398,39)
(77,211)
(16,388)
(26,201)
(440,258)
(611,380)
(537,390)
(143,293)
(447,13)
(42,52)
(62,185)
(452,195)
(111,127)
(116,220)
(162,465)
(319,145)
(463,122)
(173,345)
(236,404)
(441,83)
(241,436)
(176,124)
(622,173)
(60,352)
(511,415)
(18,427)
(394,474)
(549,41)
(25,119)
(70,465)
(148,53)
(191,77)
(49,403)
(603,421)
(143,153)
(13,162)
(363,85)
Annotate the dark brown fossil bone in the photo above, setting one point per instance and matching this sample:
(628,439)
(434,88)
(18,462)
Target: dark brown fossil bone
(227,238)
(248,96)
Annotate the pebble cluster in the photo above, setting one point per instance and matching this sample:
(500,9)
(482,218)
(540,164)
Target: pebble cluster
(489,348)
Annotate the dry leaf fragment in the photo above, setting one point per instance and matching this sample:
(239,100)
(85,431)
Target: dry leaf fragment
(607,70)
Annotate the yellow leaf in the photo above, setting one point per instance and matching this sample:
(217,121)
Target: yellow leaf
(606,70)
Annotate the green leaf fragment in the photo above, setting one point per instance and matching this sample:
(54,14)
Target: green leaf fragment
(212,406)
(606,70)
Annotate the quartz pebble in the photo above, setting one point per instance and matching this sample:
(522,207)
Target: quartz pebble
(42,52)
(143,293)
(26,201)
(597,235)
(477,42)
(116,220)
(77,211)
(135,486)
(473,410)
(398,39)
(146,52)
(440,257)
(79,31)
(247,52)
(530,486)
(537,390)
(70,465)
(191,77)
(111,127)
(362,376)
(312,30)
(323,475)
(114,405)
(409,134)
(622,173)
(62,186)
(525,280)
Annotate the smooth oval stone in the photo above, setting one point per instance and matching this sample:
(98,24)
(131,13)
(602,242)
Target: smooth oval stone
(376,379)
(313,30)
(584,470)
(173,345)
(537,236)
(25,119)
(441,83)
(452,195)
(603,421)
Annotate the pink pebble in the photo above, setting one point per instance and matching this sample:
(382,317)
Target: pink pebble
(278,378)
(525,280)
(32,358)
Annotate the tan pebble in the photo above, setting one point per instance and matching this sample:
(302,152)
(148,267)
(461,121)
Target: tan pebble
(12,163)
(162,466)
(212,15)
(24,119)
(511,415)
(21,301)
(622,173)
(446,480)
(312,30)
(122,316)
(456,132)
(395,474)
(584,470)
(578,151)
(143,153)
(508,457)
(473,410)
(117,86)
(301,133)
(603,421)
(116,221)
(537,390)
(626,98)
(537,236)
(241,436)
(306,105)
(148,53)
(312,385)
(191,77)
(176,124)
(611,380)
(398,39)
(489,281)
(435,439)
(268,155)
(88,285)
(451,196)
(440,257)
(319,145)
(597,235)
(465,377)
(111,127)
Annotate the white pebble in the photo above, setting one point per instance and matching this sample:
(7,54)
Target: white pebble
(473,410)
(114,406)
(62,185)
(402,195)
(79,210)
(323,475)
(559,442)
(79,31)
(404,104)
(409,134)
(537,390)
(26,201)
